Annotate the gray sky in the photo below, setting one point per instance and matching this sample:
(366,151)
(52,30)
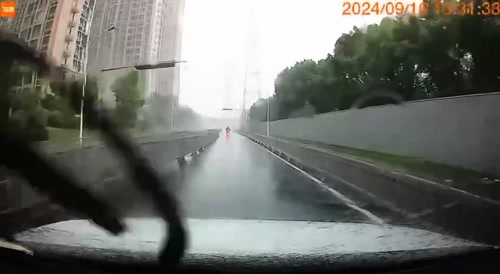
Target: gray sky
(215,39)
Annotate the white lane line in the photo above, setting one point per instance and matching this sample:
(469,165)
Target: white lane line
(421,213)
(323,150)
(453,189)
(342,155)
(335,193)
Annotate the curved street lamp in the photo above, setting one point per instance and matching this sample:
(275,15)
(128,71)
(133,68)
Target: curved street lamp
(158,65)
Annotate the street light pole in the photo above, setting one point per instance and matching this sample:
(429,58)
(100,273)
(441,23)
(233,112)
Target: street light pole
(158,65)
(102,30)
(112,27)
(173,114)
(99,36)
(85,72)
(268,112)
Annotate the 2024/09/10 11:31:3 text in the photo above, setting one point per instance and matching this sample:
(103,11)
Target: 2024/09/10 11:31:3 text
(446,8)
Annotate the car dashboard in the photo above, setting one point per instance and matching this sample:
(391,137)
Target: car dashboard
(242,246)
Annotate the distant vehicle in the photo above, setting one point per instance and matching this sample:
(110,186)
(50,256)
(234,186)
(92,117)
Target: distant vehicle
(228,130)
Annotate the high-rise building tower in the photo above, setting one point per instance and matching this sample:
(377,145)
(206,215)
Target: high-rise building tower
(144,31)
(170,46)
(56,28)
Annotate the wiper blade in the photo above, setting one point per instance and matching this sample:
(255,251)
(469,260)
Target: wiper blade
(146,179)
(61,186)
(14,246)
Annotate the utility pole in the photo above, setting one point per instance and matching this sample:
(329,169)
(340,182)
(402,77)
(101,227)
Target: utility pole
(85,67)
(101,31)
(243,111)
(172,107)
(252,66)
(268,114)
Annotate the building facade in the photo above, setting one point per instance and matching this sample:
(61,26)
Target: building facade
(129,32)
(58,28)
(168,80)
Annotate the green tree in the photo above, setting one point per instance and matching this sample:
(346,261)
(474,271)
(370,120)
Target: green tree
(21,112)
(161,109)
(128,98)
(8,79)
(64,103)
(258,111)
(402,58)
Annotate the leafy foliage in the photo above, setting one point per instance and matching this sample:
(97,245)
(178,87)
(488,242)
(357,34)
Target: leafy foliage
(161,109)
(8,78)
(415,57)
(20,111)
(28,112)
(128,98)
(64,103)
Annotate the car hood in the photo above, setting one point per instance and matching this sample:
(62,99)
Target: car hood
(224,237)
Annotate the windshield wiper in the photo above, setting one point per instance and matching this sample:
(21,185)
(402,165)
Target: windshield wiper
(62,187)
(147,180)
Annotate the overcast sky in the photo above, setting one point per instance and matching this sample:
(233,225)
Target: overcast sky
(216,38)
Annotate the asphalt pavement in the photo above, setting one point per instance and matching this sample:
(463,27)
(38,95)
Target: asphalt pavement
(237,179)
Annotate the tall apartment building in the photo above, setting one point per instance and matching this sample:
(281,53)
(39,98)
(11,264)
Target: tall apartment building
(58,28)
(144,31)
(168,80)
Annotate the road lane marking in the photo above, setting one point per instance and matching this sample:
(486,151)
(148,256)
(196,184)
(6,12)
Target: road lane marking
(382,169)
(335,193)
(320,149)
(453,189)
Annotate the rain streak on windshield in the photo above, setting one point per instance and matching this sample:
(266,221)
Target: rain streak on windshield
(378,112)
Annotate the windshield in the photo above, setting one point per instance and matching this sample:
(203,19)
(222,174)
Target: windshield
(380,112)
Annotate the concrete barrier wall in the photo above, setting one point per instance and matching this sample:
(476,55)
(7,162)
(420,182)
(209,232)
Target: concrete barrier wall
(461,131)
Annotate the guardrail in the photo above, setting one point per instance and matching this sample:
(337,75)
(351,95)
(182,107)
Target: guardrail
(92,163)
(53,147)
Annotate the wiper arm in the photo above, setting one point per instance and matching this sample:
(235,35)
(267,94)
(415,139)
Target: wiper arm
(61,186)
(146,179)
(18,155)
(16,247)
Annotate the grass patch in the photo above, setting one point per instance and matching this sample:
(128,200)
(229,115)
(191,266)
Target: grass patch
(462,178)
(65,135)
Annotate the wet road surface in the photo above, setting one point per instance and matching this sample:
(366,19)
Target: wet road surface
(237,179)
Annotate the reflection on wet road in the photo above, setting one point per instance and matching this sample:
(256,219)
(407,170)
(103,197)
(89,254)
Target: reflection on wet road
(235,178)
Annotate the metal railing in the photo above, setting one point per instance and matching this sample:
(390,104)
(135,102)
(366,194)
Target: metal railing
(92,163)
